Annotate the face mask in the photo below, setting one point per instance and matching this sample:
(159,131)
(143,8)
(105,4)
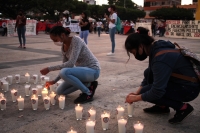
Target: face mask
(141,57)
(109,9)
(58,43)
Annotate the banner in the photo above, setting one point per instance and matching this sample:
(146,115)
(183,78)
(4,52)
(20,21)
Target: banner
(30,28)
(183,29)
(145,25)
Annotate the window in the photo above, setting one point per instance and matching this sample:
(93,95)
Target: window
(147,4)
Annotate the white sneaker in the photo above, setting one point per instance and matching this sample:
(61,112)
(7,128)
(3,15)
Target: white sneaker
(110,54)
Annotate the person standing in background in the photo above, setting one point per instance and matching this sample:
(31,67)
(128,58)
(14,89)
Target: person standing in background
(85,26)
(153,28)
(99,24)
(21,28)
(66,20)
(122,29)
(112,19)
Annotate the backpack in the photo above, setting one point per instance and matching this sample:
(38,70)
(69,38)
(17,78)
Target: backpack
(194,59)
(118,24)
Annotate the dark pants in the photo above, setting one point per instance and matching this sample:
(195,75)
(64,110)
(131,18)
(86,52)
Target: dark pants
(21,35)
(175,94)
(153,31)
(99,31)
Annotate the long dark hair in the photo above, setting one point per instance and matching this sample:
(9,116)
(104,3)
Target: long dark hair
(58,30)
(86,16)
(134,40)
(67,17)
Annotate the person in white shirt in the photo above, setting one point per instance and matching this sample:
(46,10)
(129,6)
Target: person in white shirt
(66,20)
(112,19)
(133,26)
(99,24)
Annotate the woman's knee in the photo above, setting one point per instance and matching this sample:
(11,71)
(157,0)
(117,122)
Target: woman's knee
(64,72)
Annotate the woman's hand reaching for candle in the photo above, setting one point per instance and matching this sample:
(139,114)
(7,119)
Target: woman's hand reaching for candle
(133,98)
(48,83)
(44,71)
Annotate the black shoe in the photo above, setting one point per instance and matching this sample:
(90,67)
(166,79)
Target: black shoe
(83,98)
(157,110)
(181,115)
(93,87)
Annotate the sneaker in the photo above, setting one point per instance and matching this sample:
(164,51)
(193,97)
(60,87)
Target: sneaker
(181,115)
(83,98)
(157,110)
(110,54)
(93,87)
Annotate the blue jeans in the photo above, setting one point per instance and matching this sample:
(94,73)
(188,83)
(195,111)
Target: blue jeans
(84,35)
(99,30)
(21,35)
(112,37)
(74,79)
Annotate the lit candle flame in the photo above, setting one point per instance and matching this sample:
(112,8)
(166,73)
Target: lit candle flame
(78,104)
(20,96)
(27,74)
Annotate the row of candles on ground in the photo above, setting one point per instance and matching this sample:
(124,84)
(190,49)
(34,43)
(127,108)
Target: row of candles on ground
(9,80)
(90,124)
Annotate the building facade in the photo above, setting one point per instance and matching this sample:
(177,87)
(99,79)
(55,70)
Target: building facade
(152,5)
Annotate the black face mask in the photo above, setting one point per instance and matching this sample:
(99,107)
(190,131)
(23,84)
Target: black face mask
(141,57)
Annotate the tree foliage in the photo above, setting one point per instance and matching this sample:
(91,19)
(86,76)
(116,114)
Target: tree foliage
(173,13)
(10,8)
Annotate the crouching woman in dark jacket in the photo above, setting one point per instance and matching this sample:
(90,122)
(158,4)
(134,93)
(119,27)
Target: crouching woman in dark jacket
(158,86)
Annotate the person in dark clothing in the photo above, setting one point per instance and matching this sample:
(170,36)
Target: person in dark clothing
(153,28)
(85,26)
(158,86)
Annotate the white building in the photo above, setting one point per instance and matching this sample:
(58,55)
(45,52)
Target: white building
(90,2)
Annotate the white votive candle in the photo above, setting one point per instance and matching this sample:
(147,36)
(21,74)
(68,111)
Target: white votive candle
(79,112)
(61,102)
(3,103)
(130,110)
(39,90)
(44,92)
(53,98)
(10,79)
(27,76)
(20,101)
(46,100)
(92,114)
(27,90)
(46,79)
(5,86)
(35,78)
(138,128)
(42,79)
(105,118)
(34,91)
(17,78)
(14,95)
(90,126)
(34,102)
(122,125)
(120,112)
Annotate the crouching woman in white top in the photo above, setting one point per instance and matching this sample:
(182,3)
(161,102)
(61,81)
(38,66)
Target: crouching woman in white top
(79,66)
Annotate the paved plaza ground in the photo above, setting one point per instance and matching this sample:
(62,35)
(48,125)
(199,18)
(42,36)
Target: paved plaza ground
(117,79)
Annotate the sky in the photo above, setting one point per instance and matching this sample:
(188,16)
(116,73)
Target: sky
(140,2)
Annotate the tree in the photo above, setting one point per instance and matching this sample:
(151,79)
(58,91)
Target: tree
(126,4)
(173,13)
